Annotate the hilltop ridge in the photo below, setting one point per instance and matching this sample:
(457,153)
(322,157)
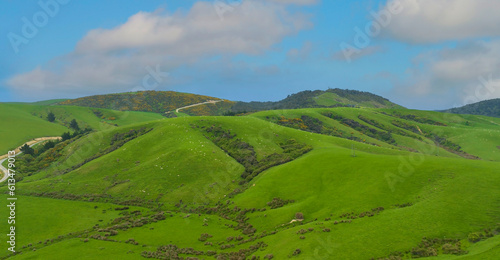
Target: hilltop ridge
(321,98)
(165,101)
(483,108)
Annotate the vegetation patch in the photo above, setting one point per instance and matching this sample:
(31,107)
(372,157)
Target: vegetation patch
(418,119)
(407,126)
(404,205)
(371,213)
(245,154)
(435,246)
(278,203)
(371,132)
(428,248)
(449,146)
(128,221)
(313,125)
(307,123)
(386,128)
(437,139)
(33,160)
(174,252)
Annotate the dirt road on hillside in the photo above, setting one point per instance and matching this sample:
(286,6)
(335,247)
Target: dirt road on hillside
(18,151)
(199,104)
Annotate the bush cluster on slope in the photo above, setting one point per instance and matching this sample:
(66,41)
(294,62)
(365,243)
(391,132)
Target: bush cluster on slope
(371,132)
(418,119)
(386,128)
(34,160)
(245,154)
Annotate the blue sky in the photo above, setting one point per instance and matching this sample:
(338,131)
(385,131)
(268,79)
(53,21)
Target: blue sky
(425,54)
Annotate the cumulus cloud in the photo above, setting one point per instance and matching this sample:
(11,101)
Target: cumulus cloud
(453,77)
(117,59)
(431,21)
(250,28)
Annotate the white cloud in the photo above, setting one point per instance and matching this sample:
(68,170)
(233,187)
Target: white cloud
(251,27)
(431,21)
(112,60)
(453,77)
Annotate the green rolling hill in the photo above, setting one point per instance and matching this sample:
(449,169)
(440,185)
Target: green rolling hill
(485,108)
(167,101)
(311,183)
(319,98)
(152,101)
(26,121)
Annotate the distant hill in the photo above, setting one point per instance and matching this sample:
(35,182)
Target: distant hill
(165,101)
(152,101)
(483,108)
(48,102)
(319,98)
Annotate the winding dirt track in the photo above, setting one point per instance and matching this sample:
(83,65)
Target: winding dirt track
(199,104)
(18,151)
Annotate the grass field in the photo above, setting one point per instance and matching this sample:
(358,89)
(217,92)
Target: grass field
(28,121)
(433,193)
(39,219)
(20,126)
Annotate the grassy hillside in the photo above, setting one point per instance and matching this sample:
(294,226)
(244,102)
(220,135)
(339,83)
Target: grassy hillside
(439,134)
(168,101)
(151,101)
(28,121)
(484,108)
(318,98)
(21,126)
(419,184)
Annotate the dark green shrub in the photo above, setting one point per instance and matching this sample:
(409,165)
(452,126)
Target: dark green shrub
(423,252)
(51,117)
(475,237)
(453,249)
(204,237)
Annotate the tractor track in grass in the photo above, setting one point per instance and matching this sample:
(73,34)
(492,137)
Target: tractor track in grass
(18,151)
